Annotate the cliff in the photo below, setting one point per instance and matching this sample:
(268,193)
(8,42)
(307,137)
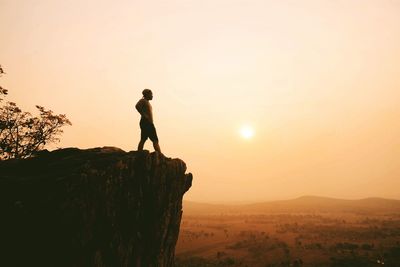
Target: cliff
(96,207)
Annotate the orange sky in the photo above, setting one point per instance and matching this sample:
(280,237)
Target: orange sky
(318,80)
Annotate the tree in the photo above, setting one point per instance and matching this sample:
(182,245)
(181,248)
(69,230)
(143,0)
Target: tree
(2,90)
(21,134)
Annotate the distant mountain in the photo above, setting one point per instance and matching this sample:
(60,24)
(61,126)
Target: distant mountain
(299,205)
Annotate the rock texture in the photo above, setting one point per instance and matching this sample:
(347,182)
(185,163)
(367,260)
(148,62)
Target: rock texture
(95,207)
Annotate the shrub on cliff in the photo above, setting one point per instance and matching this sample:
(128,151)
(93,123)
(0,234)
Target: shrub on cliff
(2,90)
(21,133)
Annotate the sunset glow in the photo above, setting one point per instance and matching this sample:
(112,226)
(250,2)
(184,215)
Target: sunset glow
(318,81)
(246,132)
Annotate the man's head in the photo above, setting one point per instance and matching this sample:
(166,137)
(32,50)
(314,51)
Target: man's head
(147,94)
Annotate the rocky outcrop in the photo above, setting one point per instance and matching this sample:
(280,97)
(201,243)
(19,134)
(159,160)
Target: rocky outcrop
(95,207)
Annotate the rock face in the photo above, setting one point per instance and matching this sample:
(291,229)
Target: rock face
(96,207)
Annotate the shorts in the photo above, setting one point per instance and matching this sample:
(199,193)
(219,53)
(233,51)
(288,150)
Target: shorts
(148,130)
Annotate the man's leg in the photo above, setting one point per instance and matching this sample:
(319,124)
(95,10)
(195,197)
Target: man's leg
(156,146)
(154,138)
(141,144)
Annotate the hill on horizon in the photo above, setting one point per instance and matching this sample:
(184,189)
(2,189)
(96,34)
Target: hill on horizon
(298,205)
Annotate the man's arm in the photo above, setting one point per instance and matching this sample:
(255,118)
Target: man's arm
(140,107)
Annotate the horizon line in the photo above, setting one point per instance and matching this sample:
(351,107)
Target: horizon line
(246,202)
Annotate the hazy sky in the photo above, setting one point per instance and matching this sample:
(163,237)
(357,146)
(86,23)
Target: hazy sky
(319,81)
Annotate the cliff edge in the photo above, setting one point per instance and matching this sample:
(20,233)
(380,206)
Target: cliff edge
(95,207)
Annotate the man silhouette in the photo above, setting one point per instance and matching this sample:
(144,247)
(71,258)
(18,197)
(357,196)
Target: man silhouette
(148,130)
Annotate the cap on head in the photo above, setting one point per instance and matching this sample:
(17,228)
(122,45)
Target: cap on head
(146,92)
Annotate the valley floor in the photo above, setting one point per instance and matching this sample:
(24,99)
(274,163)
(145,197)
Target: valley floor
(308,239)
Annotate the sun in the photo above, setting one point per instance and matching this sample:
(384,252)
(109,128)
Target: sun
(247,132)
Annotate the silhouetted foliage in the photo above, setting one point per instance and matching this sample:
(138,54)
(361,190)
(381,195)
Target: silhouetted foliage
(22,134)
(350,262)
(203,262)
(2,90)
